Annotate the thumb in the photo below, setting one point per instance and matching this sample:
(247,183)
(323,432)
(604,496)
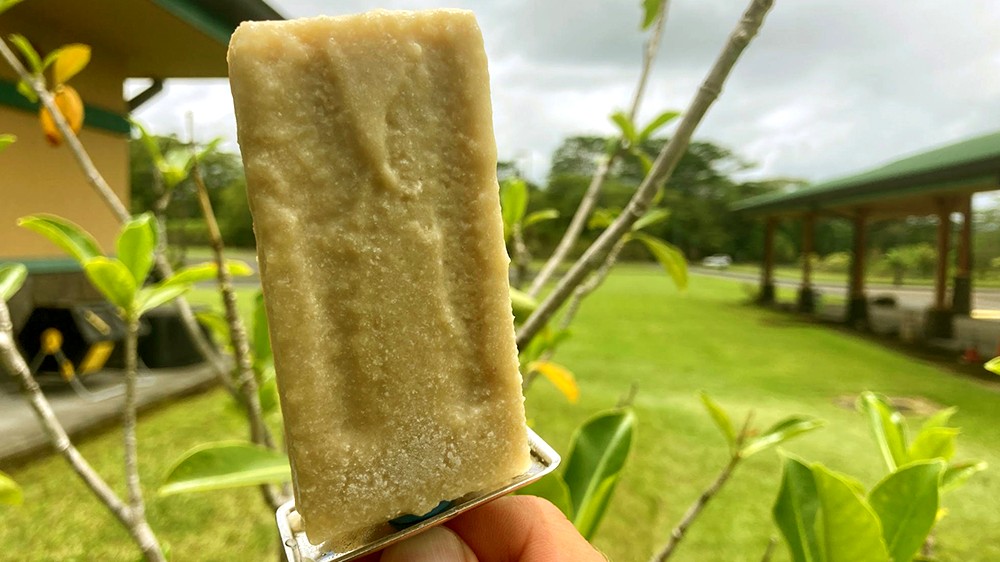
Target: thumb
(437,544)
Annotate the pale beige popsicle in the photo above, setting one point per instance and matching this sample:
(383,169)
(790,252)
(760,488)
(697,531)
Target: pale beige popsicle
(371,171)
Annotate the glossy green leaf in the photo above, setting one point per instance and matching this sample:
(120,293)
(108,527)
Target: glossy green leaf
(150,144)
(12,277)
(906,503)
(721,419)
(158,295)
(780,432)
(261,337)
(176,166)
(650,9)
(136,246)
(10,492)
(205,272)
(69,236)
(8,4)
(522,304)
(645,160)
(669,256)
(657,123)
(27,51)
(216,324)
(626,126)
(69,61)
(267,391)
(888,428)
(540,216)
(652,217)
(957,474)
(513,204)
(597,456)
(27,91)
(933,443)
(553,488)
(226,464)
(849,529)
(796,511)
(6,140)
(113,280)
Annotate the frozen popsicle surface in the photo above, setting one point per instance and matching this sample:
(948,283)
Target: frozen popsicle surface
(371,171)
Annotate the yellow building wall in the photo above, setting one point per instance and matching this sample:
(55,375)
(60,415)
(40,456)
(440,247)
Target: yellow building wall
(37,178)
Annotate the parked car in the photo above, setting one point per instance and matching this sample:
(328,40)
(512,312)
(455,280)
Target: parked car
(717,261)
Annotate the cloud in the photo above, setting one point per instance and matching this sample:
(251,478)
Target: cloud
(828,88)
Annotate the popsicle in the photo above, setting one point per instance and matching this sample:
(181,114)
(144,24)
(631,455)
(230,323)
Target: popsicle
(371,174)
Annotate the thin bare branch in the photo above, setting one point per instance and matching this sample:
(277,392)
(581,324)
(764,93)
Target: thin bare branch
(662,169)
(132,484)
(12,362)
(589,201)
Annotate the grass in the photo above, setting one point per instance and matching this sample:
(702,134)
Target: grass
(636,329)
(981,279)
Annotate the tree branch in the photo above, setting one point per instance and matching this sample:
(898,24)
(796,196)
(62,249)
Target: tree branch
(132,484)
(604,166)
(12,362)
(663,167)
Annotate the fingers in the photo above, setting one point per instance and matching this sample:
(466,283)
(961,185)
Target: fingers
(437,544)
(522,529)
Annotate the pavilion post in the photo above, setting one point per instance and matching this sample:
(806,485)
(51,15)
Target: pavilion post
(961,298)
(857,302)
(767,268)
(807,296)
(939,317)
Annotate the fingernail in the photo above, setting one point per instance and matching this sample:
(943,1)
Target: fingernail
(438,544)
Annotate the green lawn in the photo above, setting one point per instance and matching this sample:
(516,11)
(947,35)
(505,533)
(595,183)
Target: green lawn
(986,279)
(636,329)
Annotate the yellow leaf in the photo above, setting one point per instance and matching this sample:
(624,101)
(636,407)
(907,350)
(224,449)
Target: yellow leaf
(70,61)
(559,376)
(71,106)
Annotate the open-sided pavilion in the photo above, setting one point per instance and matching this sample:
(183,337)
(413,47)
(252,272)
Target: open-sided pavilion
(937,182)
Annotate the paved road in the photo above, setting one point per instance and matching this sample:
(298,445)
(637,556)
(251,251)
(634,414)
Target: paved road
(906,297)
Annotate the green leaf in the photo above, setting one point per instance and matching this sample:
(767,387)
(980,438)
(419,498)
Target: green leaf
(175,166)
(602,218)
(644,160)
(205,272)
(12,277)
(933,443)
(513,204)
(136,246)
(797,509)
(655,125)
(522,304)
(113,280)
(650,9)
(6,140)
(540,216)
(597,456)
(940,418)
(652,217)
(267,391)
(150,144)
(8,4)
(993,365)
(906,503)
(159,294)
(10,492)
(626,126)
(261,337)
(27,91)
(216,324)
(888,428)
(553,488)
(69,236)
(849,529)
(69,61)
(780,432)
(28,52)
(956,475)
(721,419)
(669,256)
(225,464)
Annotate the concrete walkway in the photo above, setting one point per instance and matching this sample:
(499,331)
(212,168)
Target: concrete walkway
(22,437)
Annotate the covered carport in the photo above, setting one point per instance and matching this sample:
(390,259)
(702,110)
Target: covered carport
(938,182)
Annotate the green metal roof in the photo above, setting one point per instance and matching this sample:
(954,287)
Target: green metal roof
(969,165)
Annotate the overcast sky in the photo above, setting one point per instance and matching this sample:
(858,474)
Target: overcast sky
(829,87)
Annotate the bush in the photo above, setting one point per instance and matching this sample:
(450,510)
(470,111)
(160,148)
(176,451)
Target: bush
(836,262)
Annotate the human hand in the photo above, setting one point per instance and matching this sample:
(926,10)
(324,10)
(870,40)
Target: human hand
(510,529)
